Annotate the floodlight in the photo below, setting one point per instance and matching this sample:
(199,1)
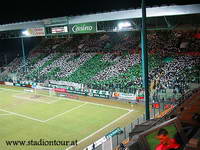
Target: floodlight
(122,25)
(26,33)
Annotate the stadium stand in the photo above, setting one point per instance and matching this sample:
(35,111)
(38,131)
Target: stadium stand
(108,65)
(104,62)
(112,61)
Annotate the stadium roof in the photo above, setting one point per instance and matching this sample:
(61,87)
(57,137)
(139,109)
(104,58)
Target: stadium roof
(108,16)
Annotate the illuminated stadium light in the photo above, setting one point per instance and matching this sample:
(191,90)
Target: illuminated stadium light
(122,25)
(26,33)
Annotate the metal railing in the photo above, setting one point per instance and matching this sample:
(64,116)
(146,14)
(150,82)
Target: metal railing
(117,139)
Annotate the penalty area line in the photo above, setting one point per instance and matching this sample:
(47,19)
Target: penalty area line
(102,128)
(66,112)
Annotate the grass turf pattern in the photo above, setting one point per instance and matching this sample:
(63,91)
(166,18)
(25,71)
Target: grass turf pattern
(63,119)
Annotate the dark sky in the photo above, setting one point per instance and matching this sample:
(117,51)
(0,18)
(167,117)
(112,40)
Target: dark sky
(18,10)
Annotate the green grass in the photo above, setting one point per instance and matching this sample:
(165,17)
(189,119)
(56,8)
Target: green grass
(68,119)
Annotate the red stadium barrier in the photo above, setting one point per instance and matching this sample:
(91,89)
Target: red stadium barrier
(2,82)
(190,53)
(197,36)
(156,105)
(60,90)
(139,97)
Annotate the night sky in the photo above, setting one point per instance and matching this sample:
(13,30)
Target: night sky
(17,11)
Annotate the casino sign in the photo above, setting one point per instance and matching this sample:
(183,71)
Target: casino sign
(83,28)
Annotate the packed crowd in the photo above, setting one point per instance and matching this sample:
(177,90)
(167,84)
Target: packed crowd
(121,66)
(113,59)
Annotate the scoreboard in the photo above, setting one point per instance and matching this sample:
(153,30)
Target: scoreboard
(55,30)
(63,29)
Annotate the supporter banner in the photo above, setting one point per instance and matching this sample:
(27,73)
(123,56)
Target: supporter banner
(35,32)
(72,84)
(90,92)
(78,91)
(114,132)
(76,88)
(140,97)
(83,28)
(126,96)
(28,86)
(99,93)
(2,82)
(17,84)
(28,83)
(61,90)
(9,83)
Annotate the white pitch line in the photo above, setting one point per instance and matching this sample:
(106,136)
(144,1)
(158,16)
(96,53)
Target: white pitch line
(109,106)
(97,104)
(66,112)
(77,101)
(29,99)
(101,128)
(24,116)
(5,114)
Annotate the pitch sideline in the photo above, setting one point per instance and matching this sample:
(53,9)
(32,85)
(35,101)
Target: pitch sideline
(84,139)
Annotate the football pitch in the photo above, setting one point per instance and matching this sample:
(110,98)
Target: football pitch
(34,118)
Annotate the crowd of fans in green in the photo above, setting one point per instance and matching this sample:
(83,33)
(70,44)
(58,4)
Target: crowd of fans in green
(113,61)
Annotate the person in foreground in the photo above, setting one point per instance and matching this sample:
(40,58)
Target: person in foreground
(166,143)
